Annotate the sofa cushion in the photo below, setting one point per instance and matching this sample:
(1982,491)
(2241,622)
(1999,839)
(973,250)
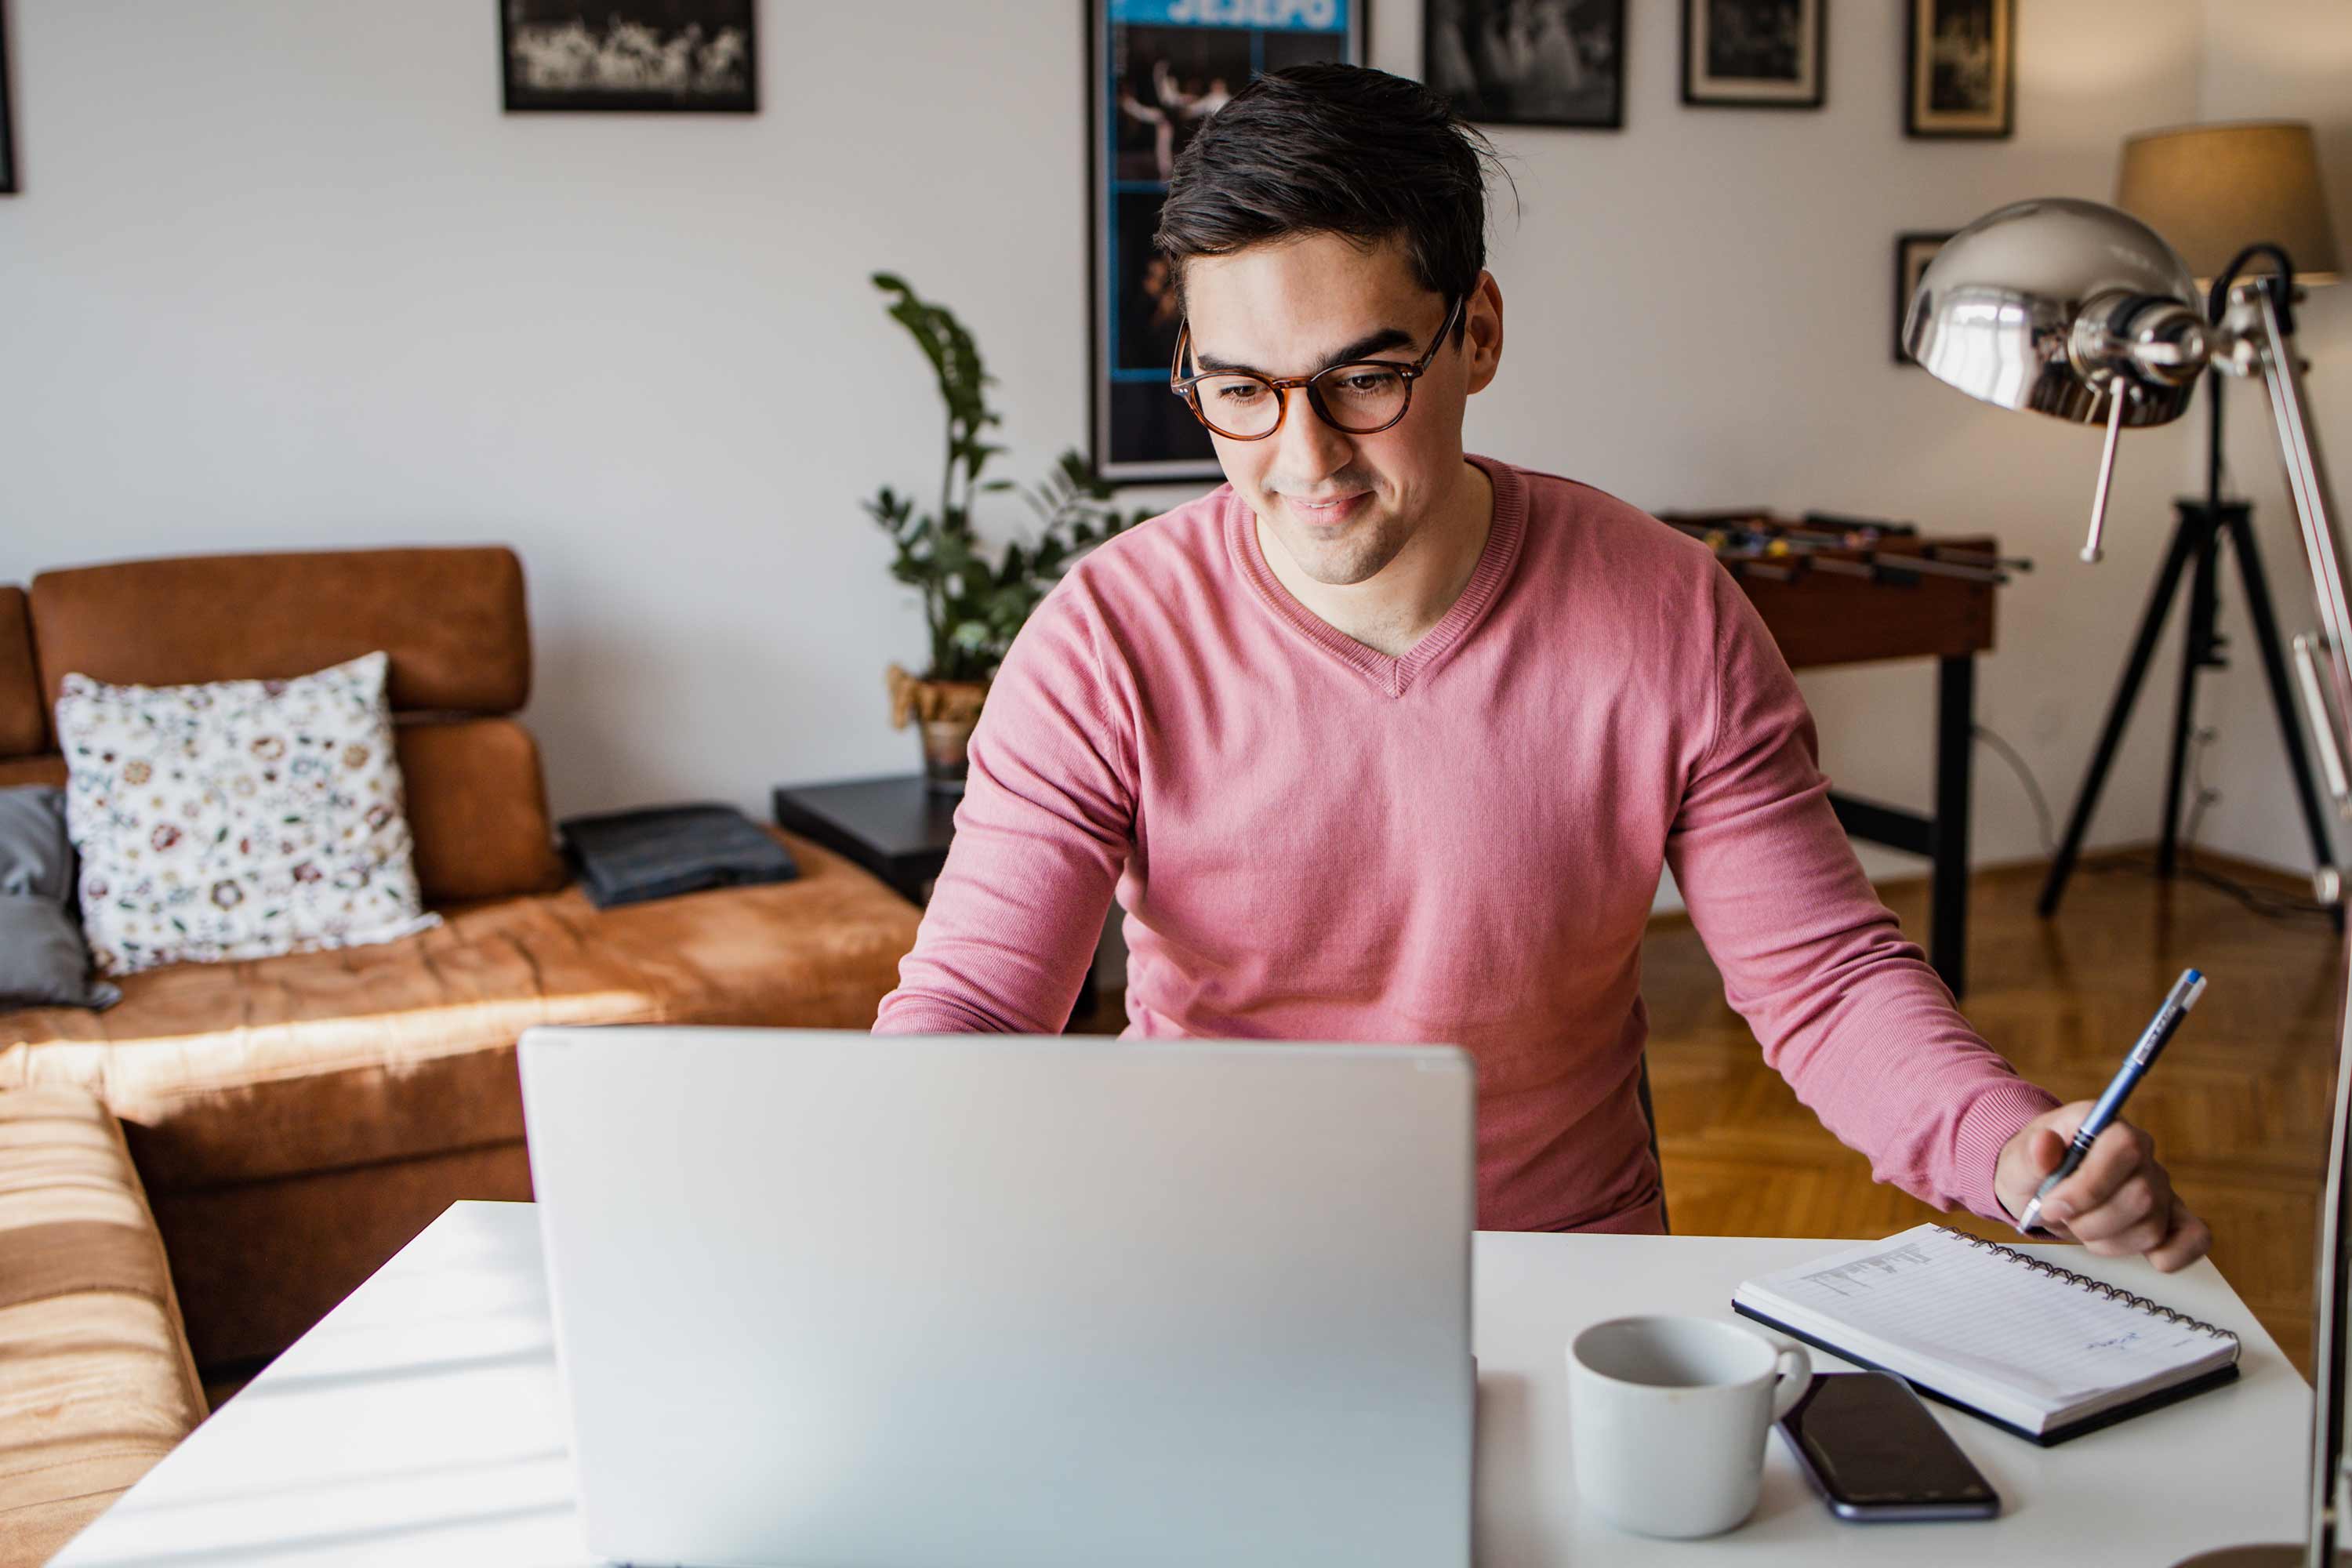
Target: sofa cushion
(24,711)
(477,809)
(258,1263)
(100,1385)
(452,619)
(237,819)
(43,958)
(237,1072)
(476,806)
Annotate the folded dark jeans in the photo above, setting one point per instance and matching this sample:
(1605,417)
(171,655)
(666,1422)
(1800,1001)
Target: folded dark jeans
(659,852)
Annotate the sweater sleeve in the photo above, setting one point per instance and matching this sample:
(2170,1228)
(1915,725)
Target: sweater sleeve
(1040,838)
(1846,1009)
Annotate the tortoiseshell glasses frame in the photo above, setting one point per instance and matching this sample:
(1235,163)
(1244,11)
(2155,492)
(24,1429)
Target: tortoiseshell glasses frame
(1188,387)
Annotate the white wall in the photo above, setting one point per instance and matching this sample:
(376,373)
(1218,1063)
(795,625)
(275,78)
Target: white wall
(283,275)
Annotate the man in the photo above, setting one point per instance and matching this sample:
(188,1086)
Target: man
(1383,742)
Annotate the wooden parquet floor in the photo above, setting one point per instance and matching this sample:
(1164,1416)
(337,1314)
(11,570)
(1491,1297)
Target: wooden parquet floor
(2238,1106)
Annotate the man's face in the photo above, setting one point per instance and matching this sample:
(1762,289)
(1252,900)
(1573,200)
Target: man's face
(1291,308)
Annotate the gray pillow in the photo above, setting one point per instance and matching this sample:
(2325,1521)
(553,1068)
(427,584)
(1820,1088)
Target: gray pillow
(43,959)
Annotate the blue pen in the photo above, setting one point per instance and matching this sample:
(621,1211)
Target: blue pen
(2153,1039)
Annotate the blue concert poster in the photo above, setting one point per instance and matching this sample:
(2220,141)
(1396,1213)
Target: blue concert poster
(1160,68)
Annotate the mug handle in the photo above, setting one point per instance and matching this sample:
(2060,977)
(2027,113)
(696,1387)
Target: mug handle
(1794,1368)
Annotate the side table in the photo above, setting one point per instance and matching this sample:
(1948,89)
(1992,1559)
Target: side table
(897,827)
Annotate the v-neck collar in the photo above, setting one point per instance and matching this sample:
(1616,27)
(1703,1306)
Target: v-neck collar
(1394,674)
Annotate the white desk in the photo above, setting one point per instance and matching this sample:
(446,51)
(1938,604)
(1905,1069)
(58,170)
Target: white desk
(423,1421)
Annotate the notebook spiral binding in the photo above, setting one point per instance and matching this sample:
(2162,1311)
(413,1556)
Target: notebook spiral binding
(2096,1287)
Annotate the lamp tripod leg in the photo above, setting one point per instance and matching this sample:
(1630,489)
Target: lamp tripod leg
(2198,651)
(2240,527)
(2151,626)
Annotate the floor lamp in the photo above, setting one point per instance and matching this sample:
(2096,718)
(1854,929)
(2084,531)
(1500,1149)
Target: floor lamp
(2078,311)
(2210,190)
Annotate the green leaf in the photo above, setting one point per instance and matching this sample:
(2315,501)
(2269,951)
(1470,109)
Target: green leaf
(975,599)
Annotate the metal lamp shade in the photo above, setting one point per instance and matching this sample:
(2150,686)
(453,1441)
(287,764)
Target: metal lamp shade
(1995,311)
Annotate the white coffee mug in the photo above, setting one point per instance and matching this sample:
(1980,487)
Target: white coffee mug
(1668,1419)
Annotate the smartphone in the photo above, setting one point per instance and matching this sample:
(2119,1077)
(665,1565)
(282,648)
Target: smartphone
(1875,1453)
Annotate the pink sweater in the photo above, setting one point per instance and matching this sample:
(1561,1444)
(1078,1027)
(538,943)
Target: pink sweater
(1316,841)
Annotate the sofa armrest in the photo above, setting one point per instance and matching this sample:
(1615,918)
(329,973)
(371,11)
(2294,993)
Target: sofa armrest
(101,1384)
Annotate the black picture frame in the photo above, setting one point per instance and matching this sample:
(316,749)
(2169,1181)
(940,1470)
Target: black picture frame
(1959,78)
(1913,251)
(7,121)
(1155,71)
(1567,73)
(708,49)
(1767,80)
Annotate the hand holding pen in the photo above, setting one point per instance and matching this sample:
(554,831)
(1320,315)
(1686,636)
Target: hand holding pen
(2123,1203)
(2152,1040)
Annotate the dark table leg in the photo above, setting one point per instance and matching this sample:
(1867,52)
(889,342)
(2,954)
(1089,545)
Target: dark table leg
(1944,836)
(1947,930)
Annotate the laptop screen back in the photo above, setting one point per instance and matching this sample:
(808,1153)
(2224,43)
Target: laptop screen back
(827,1298)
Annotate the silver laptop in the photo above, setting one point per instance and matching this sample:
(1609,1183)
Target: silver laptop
(834,1299)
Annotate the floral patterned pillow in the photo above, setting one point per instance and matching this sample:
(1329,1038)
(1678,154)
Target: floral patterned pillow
(239,819)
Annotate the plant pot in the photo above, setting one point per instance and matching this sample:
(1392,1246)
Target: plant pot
(947,712)
(947,758)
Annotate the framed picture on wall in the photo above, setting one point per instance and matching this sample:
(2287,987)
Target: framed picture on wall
(1528,62)
(1962,77)
(1754,54)
(674,56)
(8,136)
(1159,70)
(1912,254)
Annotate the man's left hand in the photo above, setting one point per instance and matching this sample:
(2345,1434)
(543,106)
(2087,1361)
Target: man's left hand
(2118,1203)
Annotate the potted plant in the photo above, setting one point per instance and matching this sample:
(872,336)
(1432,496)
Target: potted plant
(972,606)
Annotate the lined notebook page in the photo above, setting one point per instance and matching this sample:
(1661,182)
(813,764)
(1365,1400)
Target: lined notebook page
(1944,1300)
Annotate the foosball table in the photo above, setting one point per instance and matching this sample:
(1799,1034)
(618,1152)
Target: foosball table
(1844,590)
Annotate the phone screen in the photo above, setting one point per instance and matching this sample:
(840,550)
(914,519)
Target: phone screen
(1871,1443)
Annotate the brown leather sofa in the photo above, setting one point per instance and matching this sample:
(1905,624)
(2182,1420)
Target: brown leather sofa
(98,1383)
(296,1120)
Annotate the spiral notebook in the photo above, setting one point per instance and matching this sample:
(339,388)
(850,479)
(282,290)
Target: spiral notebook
(2004,1334)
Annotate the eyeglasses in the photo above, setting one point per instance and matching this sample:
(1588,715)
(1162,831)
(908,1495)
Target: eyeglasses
(1361,397)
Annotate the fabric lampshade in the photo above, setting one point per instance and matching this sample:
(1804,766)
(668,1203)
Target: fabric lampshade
(2212,190)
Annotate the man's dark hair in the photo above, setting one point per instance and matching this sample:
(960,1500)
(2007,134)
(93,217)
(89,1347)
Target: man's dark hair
(1335,149)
